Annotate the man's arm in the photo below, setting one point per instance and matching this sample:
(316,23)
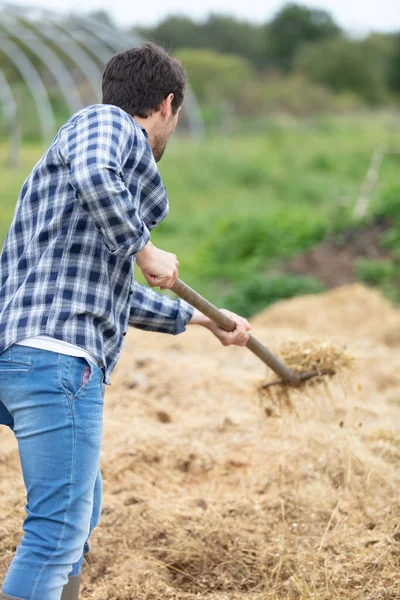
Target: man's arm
(237,337)
(155,312)
(95,149)
(152,311)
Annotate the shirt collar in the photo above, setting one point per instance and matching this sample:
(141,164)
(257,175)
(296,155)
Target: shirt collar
(146,135)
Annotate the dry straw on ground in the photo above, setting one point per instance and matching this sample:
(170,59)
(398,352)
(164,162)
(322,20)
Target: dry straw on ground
(315,357)
(317,361)
(206,498)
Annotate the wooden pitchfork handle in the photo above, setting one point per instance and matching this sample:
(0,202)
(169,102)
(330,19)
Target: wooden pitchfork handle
(212,312)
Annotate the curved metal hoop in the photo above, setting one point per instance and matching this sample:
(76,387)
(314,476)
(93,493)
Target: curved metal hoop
(61,74)
(10,112)
(123,41)
(61,43)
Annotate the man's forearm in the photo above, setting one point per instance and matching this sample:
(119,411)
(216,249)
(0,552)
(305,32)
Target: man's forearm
(153,311)
(199,319)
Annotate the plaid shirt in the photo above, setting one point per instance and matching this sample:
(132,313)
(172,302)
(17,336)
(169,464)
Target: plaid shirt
(86,209)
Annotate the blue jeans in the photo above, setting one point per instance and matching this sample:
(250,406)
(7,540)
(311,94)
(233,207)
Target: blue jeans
(54,404)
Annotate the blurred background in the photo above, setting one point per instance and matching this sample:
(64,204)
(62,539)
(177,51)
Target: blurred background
(283,177)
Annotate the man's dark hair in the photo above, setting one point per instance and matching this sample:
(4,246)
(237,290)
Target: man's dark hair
(139,79)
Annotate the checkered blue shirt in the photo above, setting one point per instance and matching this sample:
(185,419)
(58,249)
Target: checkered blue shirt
(86,209)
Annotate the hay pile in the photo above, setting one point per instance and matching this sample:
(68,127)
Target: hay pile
(317,363)
(206,498)
(351,312)
(315,357)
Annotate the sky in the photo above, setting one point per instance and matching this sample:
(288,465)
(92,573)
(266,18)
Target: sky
(356,16)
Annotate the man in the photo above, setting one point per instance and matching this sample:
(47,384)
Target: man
(67,296)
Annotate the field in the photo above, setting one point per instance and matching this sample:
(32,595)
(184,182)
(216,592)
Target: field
(243,205)
(209,496)
(211,490)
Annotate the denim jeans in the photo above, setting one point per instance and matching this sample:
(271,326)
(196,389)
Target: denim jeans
(54,404)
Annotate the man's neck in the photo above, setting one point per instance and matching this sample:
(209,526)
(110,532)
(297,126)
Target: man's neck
(147,124)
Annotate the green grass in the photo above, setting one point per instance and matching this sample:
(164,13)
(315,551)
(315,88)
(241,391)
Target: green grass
(11,181)
(239,205)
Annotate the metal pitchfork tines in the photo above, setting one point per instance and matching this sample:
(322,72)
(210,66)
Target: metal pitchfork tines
(287,375)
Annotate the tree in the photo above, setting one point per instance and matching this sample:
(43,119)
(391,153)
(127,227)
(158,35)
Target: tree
(344,65)
(103,17)
(394,65)
(174,32)
(231,36)
(293,26)
(221,33)
(215,77)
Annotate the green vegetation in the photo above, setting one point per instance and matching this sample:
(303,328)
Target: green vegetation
(299,63)
(301,53)
(383,273)
(386,273)
(11,182)
(347,66)
(213,76)
(242,205)
(252,295)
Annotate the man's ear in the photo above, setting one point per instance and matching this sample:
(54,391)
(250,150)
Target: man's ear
(166,106)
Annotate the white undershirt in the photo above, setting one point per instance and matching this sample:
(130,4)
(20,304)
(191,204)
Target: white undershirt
(46,342)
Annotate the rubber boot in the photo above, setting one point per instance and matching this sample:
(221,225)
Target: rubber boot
(71,589)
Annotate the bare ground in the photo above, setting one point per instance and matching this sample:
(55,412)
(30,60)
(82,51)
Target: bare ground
(333,261)
(206,497)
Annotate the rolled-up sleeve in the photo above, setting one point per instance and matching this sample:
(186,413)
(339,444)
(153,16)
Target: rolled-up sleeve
(152,311)
(95,149)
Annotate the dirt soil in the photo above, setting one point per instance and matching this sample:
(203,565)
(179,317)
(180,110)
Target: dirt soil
(333,262)
(207,497)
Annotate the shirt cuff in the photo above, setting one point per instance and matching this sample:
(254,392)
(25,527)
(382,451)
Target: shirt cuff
(138,245)
(185,313)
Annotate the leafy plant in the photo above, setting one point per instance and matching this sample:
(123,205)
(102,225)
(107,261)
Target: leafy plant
(375,272)
(255,293)
(382,273)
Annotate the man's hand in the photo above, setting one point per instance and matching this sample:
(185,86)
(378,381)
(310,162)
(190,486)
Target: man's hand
(237,337)
(159,268)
